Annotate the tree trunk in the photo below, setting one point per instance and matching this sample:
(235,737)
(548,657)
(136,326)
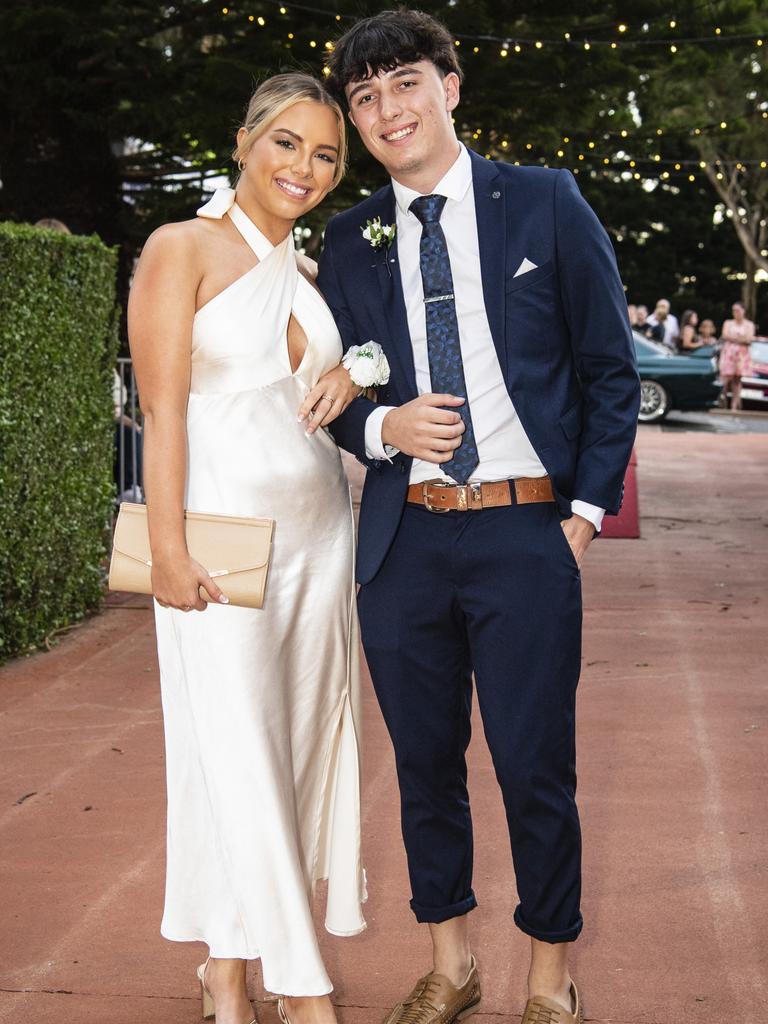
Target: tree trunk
(749,287)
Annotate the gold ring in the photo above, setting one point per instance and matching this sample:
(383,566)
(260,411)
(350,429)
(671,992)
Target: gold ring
(328,398)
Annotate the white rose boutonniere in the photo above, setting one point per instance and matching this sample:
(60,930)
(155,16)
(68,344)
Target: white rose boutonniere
(367,365)
(379,234)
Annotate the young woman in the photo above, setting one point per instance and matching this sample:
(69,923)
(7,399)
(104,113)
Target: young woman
(708,332)
(735,361)
(231,339)
(688,338)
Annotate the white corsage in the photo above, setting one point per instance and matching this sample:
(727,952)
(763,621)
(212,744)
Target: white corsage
(379,234)
(367,365)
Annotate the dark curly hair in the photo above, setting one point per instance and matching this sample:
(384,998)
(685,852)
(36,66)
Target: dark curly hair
(387,41)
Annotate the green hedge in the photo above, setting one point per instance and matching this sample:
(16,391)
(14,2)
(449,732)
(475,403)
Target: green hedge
(58,331)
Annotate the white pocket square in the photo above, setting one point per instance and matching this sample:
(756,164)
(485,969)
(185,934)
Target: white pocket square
(525,266)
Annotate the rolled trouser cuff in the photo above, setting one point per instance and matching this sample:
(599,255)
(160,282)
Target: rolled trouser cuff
(436,915)
(566,935)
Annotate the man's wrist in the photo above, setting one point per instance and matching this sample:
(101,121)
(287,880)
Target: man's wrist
(592,513)
(375,445)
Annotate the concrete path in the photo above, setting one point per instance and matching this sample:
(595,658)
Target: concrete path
(673,738)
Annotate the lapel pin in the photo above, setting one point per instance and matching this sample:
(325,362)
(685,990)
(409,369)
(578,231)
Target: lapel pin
(495,195)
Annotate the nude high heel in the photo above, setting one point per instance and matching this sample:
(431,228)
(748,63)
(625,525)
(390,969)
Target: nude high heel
(281,1012)
(209,1007)
(209,1010)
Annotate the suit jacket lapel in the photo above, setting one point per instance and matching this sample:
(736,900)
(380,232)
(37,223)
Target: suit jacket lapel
(490,211)
(387,267)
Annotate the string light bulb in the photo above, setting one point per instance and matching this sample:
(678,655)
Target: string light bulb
(622,28)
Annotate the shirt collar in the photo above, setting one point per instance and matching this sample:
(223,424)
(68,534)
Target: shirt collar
(454,184)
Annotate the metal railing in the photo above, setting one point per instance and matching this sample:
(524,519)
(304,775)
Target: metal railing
(128,438)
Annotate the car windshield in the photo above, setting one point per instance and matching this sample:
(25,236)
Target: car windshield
(650,348)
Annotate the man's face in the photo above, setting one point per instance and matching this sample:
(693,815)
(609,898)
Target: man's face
(404,116)
(662,310)
(641,314)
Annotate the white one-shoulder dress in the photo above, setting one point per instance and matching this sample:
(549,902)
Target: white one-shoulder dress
(261,707)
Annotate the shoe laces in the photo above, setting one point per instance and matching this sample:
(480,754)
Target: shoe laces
(420,1007)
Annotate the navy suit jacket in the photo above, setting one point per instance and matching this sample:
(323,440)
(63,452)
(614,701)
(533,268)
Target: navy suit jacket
(561,333)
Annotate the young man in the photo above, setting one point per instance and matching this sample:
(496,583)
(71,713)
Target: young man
(500,439)
(664,325)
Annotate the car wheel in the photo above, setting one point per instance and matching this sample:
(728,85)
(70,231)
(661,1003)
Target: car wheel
(654,401)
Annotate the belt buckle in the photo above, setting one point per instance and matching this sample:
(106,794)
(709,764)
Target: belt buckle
(427,504)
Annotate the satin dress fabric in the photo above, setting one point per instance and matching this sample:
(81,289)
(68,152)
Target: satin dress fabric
(261,707)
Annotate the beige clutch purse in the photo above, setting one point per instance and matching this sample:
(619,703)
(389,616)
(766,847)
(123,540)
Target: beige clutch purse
(234,549)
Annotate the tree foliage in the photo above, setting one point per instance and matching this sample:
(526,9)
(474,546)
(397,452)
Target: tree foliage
(120,112)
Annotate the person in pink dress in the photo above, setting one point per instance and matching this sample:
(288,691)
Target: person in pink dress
(737,335)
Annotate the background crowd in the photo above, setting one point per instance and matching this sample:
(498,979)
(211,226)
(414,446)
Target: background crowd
(689,333)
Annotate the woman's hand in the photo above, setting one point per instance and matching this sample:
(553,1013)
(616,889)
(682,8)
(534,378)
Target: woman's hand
(328,398)
(176,583)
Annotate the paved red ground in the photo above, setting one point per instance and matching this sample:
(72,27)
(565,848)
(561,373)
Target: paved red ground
(673,738)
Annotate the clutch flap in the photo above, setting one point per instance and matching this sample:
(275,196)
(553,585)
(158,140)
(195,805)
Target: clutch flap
(131,537)
(242,545)
(223,544)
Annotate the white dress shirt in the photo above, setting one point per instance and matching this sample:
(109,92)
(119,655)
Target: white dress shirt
(671,329)
(504,449)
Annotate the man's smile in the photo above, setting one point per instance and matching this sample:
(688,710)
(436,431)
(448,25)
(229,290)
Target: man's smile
(398,134)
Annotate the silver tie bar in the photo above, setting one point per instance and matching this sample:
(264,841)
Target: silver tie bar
(439,298)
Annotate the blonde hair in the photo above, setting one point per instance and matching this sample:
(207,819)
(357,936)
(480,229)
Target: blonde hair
(279,93)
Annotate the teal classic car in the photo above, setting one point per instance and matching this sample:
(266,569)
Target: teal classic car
(669,381)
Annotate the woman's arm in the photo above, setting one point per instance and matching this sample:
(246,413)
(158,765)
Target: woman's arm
(726,335)
(161,309)
(688,338)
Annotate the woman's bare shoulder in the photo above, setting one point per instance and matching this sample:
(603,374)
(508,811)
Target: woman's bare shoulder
(181,237)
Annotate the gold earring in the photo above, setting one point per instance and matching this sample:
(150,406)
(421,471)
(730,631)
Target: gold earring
(241,164)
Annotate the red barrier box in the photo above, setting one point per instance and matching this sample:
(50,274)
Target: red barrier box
(627,523)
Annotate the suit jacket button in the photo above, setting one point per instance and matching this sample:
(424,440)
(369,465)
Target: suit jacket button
(495,195)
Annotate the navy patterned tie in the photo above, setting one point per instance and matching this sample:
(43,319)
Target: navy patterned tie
(446,369)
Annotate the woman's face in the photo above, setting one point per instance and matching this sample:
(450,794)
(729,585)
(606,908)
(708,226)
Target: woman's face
(290,167)
(694,321)
(738,311)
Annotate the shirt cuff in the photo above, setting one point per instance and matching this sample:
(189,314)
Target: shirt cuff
(583,509)
(374,446)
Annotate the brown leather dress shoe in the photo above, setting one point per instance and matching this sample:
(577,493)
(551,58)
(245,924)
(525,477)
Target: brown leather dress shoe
(540,1010)
(435,1000)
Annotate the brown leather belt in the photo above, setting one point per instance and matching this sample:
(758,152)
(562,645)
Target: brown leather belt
(438,496)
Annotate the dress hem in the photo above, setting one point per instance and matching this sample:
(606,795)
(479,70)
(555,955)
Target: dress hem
(345,935)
